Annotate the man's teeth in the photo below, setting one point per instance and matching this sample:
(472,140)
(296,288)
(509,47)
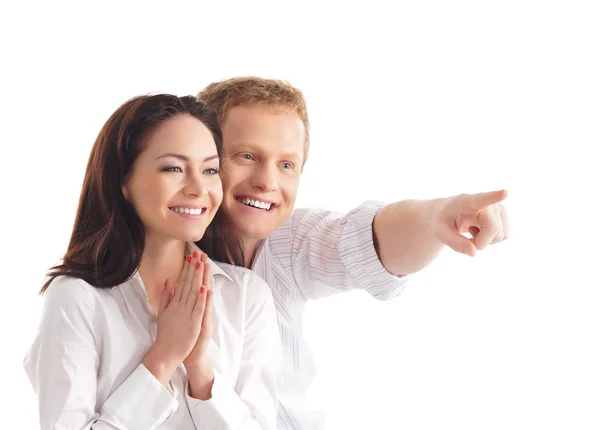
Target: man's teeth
(256,203)
(187,211)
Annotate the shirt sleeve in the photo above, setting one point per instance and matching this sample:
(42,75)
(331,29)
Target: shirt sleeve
(62,366)
(252,403)
(331,252)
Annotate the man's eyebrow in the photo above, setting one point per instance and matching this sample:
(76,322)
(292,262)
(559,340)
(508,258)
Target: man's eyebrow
(244,145)
(291,156)
(185,158)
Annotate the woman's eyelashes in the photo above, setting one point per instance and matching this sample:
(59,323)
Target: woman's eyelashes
(211,171)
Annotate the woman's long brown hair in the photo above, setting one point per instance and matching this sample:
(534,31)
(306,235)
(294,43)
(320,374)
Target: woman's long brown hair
(108,237)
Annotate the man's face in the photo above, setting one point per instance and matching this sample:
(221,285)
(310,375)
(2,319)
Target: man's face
(263,155)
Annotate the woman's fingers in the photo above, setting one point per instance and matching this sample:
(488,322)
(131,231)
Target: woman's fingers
(166,296)
(207,320)
(206,331)
(200,305)
(187,274)
(195,280)
(206,278)
(182,278)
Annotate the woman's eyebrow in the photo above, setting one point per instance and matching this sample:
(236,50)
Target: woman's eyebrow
(185,158)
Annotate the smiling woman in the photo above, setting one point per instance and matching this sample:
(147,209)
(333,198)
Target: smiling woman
(132,175)
(120,345)
(174,178)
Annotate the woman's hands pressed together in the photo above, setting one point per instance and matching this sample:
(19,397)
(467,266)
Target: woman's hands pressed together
(184,328)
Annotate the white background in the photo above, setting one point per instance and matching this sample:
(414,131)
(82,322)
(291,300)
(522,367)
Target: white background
(419,100)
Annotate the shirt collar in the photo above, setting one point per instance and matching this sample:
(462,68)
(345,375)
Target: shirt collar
(190,247)
(215,269)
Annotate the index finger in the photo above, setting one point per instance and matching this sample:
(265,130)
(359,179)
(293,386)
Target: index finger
(483,200)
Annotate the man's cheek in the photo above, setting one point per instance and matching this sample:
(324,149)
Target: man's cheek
(217,194)
(224,184)
(292,190)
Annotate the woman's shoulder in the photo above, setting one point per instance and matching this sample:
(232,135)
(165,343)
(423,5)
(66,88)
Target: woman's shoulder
(68,292)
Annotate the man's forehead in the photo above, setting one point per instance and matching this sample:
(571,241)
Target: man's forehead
(262,127)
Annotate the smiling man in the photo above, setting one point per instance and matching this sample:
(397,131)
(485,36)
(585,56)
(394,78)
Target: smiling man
(308,254)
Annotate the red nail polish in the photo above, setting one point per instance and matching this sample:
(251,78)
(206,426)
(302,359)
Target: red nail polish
(194,254)
(189,258)
(202,289)
(197,265)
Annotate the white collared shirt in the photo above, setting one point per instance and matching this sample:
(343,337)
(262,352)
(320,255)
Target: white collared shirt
(314,254)
(85,362)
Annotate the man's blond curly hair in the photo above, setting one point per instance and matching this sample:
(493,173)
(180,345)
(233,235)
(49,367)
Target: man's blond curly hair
(223,95)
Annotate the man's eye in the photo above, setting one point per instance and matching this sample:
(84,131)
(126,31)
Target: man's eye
(246,156)
(287,165)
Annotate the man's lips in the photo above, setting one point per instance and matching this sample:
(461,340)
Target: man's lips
(256,202)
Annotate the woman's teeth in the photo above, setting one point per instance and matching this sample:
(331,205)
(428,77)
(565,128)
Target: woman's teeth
(255,203)
(188,211)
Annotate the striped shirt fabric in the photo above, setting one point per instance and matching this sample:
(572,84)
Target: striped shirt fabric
(313,254)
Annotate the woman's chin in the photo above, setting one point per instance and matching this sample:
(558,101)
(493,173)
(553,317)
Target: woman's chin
(192,236)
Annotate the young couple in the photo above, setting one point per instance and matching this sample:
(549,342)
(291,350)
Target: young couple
(179,302)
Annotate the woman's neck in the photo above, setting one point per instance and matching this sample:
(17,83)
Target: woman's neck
(250,247)
(162,259)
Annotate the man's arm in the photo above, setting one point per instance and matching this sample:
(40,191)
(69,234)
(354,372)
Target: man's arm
(322,253)
(410,234)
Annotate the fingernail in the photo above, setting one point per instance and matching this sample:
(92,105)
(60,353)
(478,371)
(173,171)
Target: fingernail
(189,258)
(197,265)
(194,254)
(202,289)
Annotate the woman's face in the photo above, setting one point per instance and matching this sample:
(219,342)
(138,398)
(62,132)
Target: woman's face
(174,183)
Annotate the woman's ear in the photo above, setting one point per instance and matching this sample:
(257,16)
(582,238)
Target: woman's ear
(125,191)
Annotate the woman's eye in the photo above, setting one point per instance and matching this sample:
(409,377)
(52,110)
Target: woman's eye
(173,169)
(287,165)
(211,171)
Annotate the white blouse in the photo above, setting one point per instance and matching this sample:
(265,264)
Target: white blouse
(85,361)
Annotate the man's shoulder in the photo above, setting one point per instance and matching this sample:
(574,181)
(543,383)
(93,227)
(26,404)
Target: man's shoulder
(301,216)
